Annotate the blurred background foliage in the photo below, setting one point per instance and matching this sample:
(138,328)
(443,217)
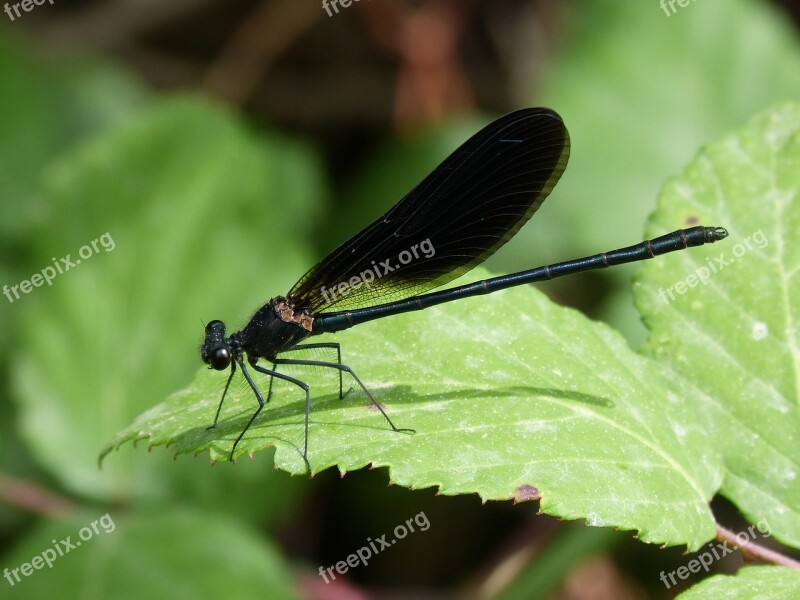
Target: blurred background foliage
(227,146)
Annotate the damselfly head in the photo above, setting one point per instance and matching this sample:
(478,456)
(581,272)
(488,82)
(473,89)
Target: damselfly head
(216,350)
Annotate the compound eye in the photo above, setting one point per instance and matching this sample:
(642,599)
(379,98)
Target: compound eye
(220,359)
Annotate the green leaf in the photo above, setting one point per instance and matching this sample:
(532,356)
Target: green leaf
(43,109)
(750,583)
(195,205)
(735,333)
(535,395)
(178,554)
(640,92)
(514,397)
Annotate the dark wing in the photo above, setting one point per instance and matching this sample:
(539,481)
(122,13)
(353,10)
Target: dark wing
(459,215)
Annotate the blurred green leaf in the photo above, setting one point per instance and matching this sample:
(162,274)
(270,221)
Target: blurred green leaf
(150,556)
(734,333)
(639,92)
(43,109)
(6,324)
(750,583)
(205,219)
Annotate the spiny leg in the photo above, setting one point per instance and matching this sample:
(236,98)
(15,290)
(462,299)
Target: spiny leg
(324,345)
(225,391)
(341,367)
(297,382)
